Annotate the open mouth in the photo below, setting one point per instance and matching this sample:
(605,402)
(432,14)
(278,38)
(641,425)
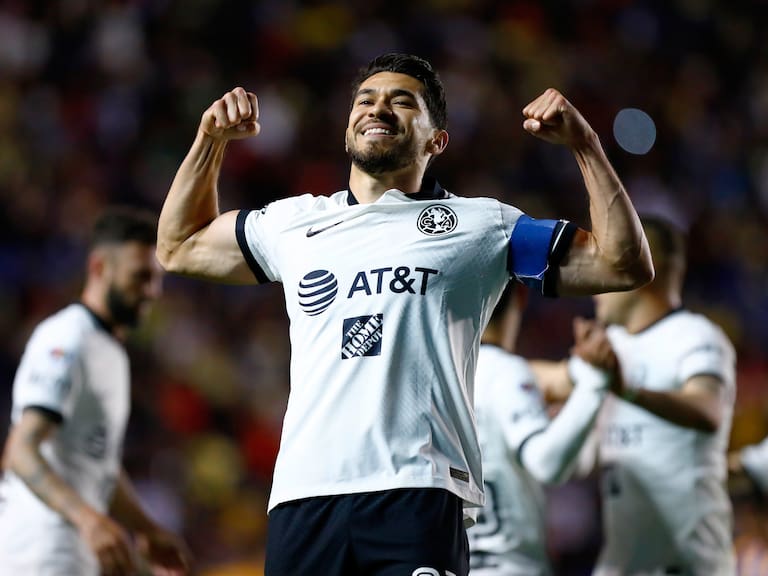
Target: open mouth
(378,132)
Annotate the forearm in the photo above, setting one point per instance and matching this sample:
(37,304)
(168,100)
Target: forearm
(688,411)
(551,455)
(617,235)
(32,469)
(192,201)
(127,510)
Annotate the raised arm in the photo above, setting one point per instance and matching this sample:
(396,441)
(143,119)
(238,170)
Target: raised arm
(614,255)
(193,238)
(105,537)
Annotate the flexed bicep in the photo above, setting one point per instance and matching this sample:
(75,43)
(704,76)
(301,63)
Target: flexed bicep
(213,253)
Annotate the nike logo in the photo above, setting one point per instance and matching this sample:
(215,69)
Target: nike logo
(317,231)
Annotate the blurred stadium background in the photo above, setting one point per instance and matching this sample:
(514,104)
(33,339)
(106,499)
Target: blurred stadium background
(99,101)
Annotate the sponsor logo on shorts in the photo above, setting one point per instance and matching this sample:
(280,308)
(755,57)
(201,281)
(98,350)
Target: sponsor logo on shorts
(437,219)
(362,336)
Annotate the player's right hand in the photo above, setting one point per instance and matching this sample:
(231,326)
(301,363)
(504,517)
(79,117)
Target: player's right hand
(591,344)
(232,117)
(109,543)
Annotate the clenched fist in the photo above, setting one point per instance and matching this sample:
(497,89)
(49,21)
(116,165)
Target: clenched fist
(553,118)
(232,117)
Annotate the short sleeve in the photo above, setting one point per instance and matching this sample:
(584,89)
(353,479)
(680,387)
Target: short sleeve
(256,233)
(706,357)
(47,373)
(536,248)
(709,353)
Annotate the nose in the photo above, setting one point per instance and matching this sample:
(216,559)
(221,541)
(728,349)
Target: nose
(380,109)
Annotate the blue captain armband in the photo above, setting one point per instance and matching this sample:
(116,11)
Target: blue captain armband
(536,249)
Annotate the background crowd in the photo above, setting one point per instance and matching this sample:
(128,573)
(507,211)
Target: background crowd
(99,101)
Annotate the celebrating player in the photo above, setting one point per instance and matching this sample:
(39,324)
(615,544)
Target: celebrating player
(67,508)
(388,285)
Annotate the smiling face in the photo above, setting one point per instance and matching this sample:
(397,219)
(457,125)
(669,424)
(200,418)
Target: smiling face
(389,125)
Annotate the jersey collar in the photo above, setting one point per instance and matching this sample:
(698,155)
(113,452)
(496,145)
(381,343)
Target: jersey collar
(430,190)
(100,322)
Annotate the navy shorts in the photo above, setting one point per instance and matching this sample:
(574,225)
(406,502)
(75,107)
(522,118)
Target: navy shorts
(405,532)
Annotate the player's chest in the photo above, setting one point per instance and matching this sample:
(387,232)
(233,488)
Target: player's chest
(649,365)
(388,252)
(105,381)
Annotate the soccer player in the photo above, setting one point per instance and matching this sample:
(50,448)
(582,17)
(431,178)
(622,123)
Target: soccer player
(663,434)
(67,507)
(388,286)
(521,448)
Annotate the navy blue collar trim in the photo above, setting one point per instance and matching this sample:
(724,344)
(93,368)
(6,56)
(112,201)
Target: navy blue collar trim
(430,190)
(100,322)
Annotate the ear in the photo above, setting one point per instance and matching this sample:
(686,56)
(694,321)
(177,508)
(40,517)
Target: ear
(438,143)
(97,263)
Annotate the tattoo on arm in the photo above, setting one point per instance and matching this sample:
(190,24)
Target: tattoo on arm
(37,474)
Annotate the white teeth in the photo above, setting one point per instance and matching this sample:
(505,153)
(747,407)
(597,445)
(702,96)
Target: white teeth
(378,131)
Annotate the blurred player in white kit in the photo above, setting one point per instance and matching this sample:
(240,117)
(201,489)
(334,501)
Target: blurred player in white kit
(67,507)
(523,450)
(663,433)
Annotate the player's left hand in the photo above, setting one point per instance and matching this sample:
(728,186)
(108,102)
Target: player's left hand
(553,118)
(165,553)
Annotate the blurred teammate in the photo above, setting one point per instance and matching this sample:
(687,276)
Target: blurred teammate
(521,448)
(388,285)
(67,507)
(664,432)
(752,460)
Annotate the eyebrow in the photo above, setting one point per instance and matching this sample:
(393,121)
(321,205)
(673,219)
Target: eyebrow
(395,93)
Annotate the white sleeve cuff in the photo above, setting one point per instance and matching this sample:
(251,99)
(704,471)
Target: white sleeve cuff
(584,374)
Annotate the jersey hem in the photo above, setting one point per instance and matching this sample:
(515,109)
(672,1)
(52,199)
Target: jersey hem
(471,498)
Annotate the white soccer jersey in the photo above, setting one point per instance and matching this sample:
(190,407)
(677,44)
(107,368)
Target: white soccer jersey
(509,538)
(665,506)
(754,459)
(75,370)
(387,302)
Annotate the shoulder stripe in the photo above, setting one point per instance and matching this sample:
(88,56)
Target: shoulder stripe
(242,242)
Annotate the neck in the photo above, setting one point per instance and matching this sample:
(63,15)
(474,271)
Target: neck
(502,336)
(368,188)
(96,302)
(649,309)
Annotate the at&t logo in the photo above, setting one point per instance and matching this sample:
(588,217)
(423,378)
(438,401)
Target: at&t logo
(317,291)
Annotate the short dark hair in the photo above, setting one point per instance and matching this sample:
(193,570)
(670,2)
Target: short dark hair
(118,224)
(433,94)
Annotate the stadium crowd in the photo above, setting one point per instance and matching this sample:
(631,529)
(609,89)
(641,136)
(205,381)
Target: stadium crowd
(98,101)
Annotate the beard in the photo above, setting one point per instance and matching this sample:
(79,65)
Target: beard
(377,158)
(123,313)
